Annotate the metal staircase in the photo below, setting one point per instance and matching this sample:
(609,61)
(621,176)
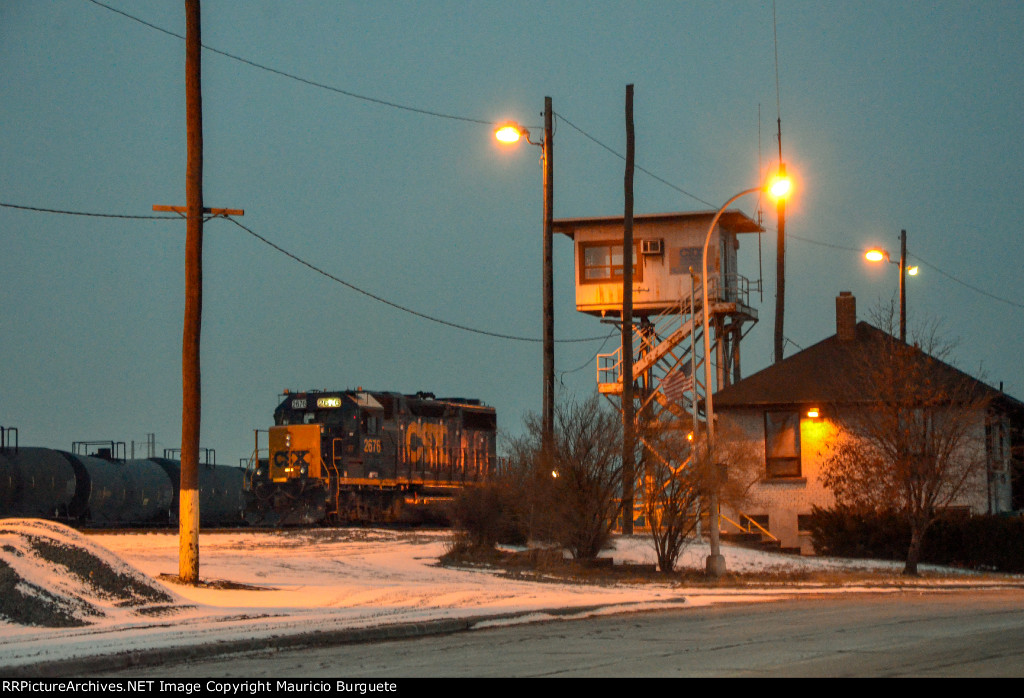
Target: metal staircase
(670,343)
(673,341)
(668,359)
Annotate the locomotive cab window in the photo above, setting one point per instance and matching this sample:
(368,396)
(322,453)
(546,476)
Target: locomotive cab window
(371,423)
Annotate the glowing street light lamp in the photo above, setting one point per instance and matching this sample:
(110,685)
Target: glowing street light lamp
(778,187)
(880,255)
(509,133)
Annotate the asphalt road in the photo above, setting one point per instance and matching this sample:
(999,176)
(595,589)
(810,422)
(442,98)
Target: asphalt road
(902,633)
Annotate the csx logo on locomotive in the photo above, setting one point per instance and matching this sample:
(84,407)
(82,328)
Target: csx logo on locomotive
(426,443)
(292,461)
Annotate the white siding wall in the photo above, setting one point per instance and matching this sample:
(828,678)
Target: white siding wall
(784,499)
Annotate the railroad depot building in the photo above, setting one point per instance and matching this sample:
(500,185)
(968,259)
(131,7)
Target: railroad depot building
(790,412)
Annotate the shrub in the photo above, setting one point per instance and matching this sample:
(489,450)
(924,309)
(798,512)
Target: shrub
(569,492)
(488,515)
(975,542)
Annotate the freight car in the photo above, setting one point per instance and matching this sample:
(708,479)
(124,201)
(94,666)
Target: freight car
(105,489)
(358,455)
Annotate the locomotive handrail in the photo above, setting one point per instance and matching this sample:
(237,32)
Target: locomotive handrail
(252,461)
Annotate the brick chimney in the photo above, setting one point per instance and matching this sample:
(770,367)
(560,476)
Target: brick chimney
(846,317)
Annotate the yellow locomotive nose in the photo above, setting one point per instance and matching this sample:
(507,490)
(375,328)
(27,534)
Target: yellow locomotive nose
(294,452)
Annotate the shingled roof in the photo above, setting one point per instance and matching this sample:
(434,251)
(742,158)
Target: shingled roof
(819,374)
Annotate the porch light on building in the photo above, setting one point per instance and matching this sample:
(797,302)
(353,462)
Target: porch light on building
(813,413)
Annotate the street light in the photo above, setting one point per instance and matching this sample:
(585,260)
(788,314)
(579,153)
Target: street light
(511,133)
(880,255)
(778,186)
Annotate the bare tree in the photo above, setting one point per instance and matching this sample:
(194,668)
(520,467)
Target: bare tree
(680,473)
(676,478)
(572,487)
(912,443)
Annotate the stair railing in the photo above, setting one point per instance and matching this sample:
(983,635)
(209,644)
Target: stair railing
(749,526)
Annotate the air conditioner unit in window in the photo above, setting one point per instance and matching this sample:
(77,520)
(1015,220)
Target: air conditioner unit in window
(651,247)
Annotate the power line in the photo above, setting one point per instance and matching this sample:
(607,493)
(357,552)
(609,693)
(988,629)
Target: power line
(403,308)
(922,261)
(85,213)
(443,115)
(964,283)
(825,244)
(790,341)
(623,157)
(589,361)
(67,212)
(312,266)
(387,103)
(297,78)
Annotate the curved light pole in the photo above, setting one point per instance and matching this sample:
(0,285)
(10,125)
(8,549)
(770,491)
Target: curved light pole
(511,133)
(778,187)
(879,255)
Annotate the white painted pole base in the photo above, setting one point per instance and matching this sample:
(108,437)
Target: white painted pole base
(188,537)
(714,566)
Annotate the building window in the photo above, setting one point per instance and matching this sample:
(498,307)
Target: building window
(602,262)
(782,444)
(761,520)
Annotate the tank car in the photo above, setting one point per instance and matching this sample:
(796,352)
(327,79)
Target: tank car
(100,487)
(96,489)
(221,492)
(336,456)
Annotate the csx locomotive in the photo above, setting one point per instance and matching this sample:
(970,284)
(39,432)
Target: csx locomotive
(361,455)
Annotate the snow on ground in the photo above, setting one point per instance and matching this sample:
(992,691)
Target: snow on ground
(328,580)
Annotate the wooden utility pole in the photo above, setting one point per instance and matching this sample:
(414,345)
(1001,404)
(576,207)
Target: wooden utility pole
(188,516)
(548,415)
(628,416)
(188,507)
(780,264)
(903,286)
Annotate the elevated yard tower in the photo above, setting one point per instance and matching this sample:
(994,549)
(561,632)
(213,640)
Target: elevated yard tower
(668,303)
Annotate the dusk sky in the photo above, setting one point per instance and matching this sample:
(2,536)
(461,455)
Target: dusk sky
(894,115)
